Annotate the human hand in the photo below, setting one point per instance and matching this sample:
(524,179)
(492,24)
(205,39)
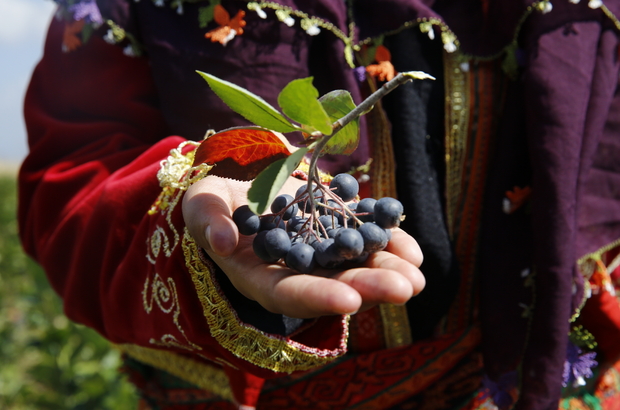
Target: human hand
(389,276)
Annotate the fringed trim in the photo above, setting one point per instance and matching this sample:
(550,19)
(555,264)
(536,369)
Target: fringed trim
(272,352)
(177,174)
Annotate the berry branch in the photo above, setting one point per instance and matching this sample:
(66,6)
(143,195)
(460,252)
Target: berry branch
(364,107)
(321,225)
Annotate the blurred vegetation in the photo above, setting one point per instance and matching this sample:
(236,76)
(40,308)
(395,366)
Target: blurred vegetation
(46,361)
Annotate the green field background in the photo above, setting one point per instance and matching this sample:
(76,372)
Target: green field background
(46,361)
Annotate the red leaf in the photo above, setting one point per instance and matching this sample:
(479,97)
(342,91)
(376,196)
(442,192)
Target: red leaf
(242,153)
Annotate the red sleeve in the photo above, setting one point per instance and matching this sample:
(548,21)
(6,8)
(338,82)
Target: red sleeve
(97,138)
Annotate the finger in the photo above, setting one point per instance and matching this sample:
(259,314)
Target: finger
(281,290)
(404,246)
(208,216)
(308,296)
(392,262)
(378,285)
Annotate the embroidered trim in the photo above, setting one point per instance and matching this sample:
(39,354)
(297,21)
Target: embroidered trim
(228,28)
(177,172)
(164,294)
(470,128)
(87,11)
(310,24)
(202,375)
(397,332)
(595,268)
(175,175)
(590,262)
(456,125)
(275,353)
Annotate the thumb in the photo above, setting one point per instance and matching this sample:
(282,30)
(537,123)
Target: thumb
(208,218)
(221,233)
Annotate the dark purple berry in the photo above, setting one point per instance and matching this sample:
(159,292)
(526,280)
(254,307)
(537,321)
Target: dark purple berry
(349,243)
(301,258)
(282,202)
(268,222)
(258,245)
(388,212)
(375,238)
(247,221)
(345,186)
(328,221)
(326,255)
(277,243)
(366,206)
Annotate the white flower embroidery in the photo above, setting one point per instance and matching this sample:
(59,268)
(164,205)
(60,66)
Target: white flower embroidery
(285,17)
(595,4)
(545,7)
(257,8)
(427,27)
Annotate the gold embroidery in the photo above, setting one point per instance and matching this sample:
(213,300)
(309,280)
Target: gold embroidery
(165,297)
(457,124)
(175,175)
(396,329)
(270,352)
(201,375)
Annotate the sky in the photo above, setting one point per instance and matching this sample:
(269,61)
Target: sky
(24,23)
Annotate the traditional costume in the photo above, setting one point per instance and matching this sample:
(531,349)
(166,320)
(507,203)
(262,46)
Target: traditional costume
(507,165)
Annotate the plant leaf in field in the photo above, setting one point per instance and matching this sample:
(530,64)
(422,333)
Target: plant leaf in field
(249,105)
(242,153)
(298,101)
(269,182)
(337,104)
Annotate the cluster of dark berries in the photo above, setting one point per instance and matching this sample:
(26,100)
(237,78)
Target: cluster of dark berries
(327,230)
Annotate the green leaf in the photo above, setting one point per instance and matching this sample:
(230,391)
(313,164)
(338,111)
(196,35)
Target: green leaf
(250,106)
(299,102)
(418,75)
(337,104)
(269,182)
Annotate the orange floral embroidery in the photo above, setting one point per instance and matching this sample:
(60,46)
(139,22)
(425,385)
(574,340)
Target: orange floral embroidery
(516,198)
(229,28)
(70,39)
(383,70)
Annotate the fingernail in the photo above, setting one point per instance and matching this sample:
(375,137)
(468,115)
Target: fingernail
(208,234)
(220,241)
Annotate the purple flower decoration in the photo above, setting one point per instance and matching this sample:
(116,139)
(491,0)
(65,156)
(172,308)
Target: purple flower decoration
(500,391)
(360,73)
(577,366)
(87,10)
